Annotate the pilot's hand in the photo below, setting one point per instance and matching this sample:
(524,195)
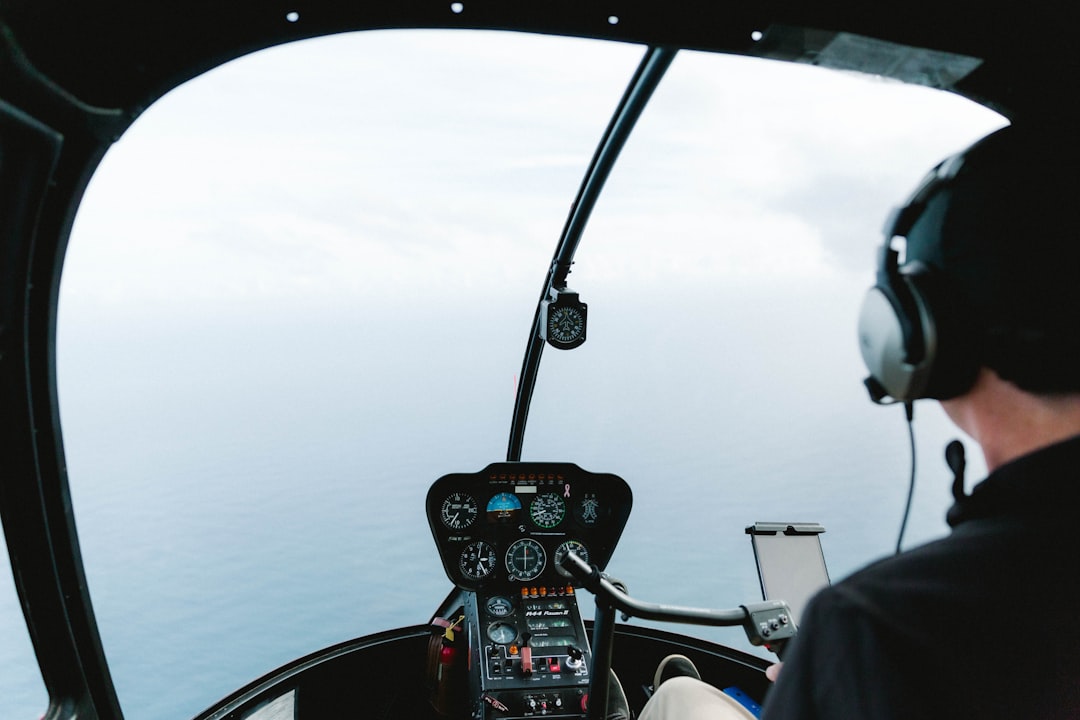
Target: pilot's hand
(773,671)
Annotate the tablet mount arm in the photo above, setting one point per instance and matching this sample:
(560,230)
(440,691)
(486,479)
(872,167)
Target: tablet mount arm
(767,624)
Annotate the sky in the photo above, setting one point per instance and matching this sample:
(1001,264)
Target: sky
(365,150)
(330,251)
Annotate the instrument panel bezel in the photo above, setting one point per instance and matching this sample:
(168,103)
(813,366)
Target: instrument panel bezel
(596,507)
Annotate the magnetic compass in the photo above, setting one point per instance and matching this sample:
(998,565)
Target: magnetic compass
(565,324)
(564,319)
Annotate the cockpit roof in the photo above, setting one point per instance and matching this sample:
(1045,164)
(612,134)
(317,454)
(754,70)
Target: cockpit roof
(124,54)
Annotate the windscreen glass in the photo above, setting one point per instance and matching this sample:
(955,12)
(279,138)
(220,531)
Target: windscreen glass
(299,289)
(296,294)
(723,270)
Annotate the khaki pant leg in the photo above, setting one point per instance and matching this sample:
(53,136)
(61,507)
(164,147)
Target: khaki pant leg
(684,698)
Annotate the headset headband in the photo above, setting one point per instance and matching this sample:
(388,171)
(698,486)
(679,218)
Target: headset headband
(901,322)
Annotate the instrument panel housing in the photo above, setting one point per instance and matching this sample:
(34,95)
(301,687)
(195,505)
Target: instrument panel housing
(525,506)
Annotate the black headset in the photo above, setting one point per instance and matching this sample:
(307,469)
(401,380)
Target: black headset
(909,339)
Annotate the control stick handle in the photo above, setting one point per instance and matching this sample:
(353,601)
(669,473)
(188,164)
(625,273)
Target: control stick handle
(766,623)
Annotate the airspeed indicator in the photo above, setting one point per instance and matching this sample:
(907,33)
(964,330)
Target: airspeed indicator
(547,510)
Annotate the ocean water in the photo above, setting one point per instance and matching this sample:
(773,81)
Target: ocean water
(245,500)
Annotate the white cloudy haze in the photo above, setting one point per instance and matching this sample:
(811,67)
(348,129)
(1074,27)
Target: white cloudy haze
(407,146)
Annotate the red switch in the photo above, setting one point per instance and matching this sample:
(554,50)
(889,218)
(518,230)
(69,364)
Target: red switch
(526,660)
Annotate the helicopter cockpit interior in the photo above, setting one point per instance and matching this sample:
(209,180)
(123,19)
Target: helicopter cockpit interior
(519,541)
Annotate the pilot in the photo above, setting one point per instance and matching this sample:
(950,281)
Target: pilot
(977,305)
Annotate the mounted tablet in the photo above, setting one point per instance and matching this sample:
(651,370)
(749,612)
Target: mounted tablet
(791,565)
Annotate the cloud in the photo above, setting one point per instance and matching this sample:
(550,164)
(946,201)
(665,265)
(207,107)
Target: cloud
(352,166)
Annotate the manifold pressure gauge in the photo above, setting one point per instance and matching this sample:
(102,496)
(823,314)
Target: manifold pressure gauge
(564,319)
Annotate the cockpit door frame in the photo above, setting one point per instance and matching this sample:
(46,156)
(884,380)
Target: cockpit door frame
(35,501)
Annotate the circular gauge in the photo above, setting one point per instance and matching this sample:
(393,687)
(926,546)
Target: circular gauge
(503,507)
(500,606)
(570,546)
(503,633)
(565,323)
(459,511)
(525,559)
(547,510)
(588,511)
(477,560)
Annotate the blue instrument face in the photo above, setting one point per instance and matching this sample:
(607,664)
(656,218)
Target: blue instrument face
(503,506)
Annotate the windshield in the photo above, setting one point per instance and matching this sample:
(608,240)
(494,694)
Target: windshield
(299,289)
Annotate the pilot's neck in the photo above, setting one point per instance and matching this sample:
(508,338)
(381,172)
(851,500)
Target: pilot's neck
(1008,422)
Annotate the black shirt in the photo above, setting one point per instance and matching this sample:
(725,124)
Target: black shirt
(980,624)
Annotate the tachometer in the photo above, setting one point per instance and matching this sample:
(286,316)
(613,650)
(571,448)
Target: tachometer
(459,511)
(570,546)
(525,559)
(477,560)
(547,510)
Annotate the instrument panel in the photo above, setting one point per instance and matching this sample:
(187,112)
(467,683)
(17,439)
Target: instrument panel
(508,525)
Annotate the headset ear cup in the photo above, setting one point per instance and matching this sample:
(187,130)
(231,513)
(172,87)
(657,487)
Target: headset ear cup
(911,337)
(950,364)
(892,340)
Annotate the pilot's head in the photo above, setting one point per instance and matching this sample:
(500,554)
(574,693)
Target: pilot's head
(981,267)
